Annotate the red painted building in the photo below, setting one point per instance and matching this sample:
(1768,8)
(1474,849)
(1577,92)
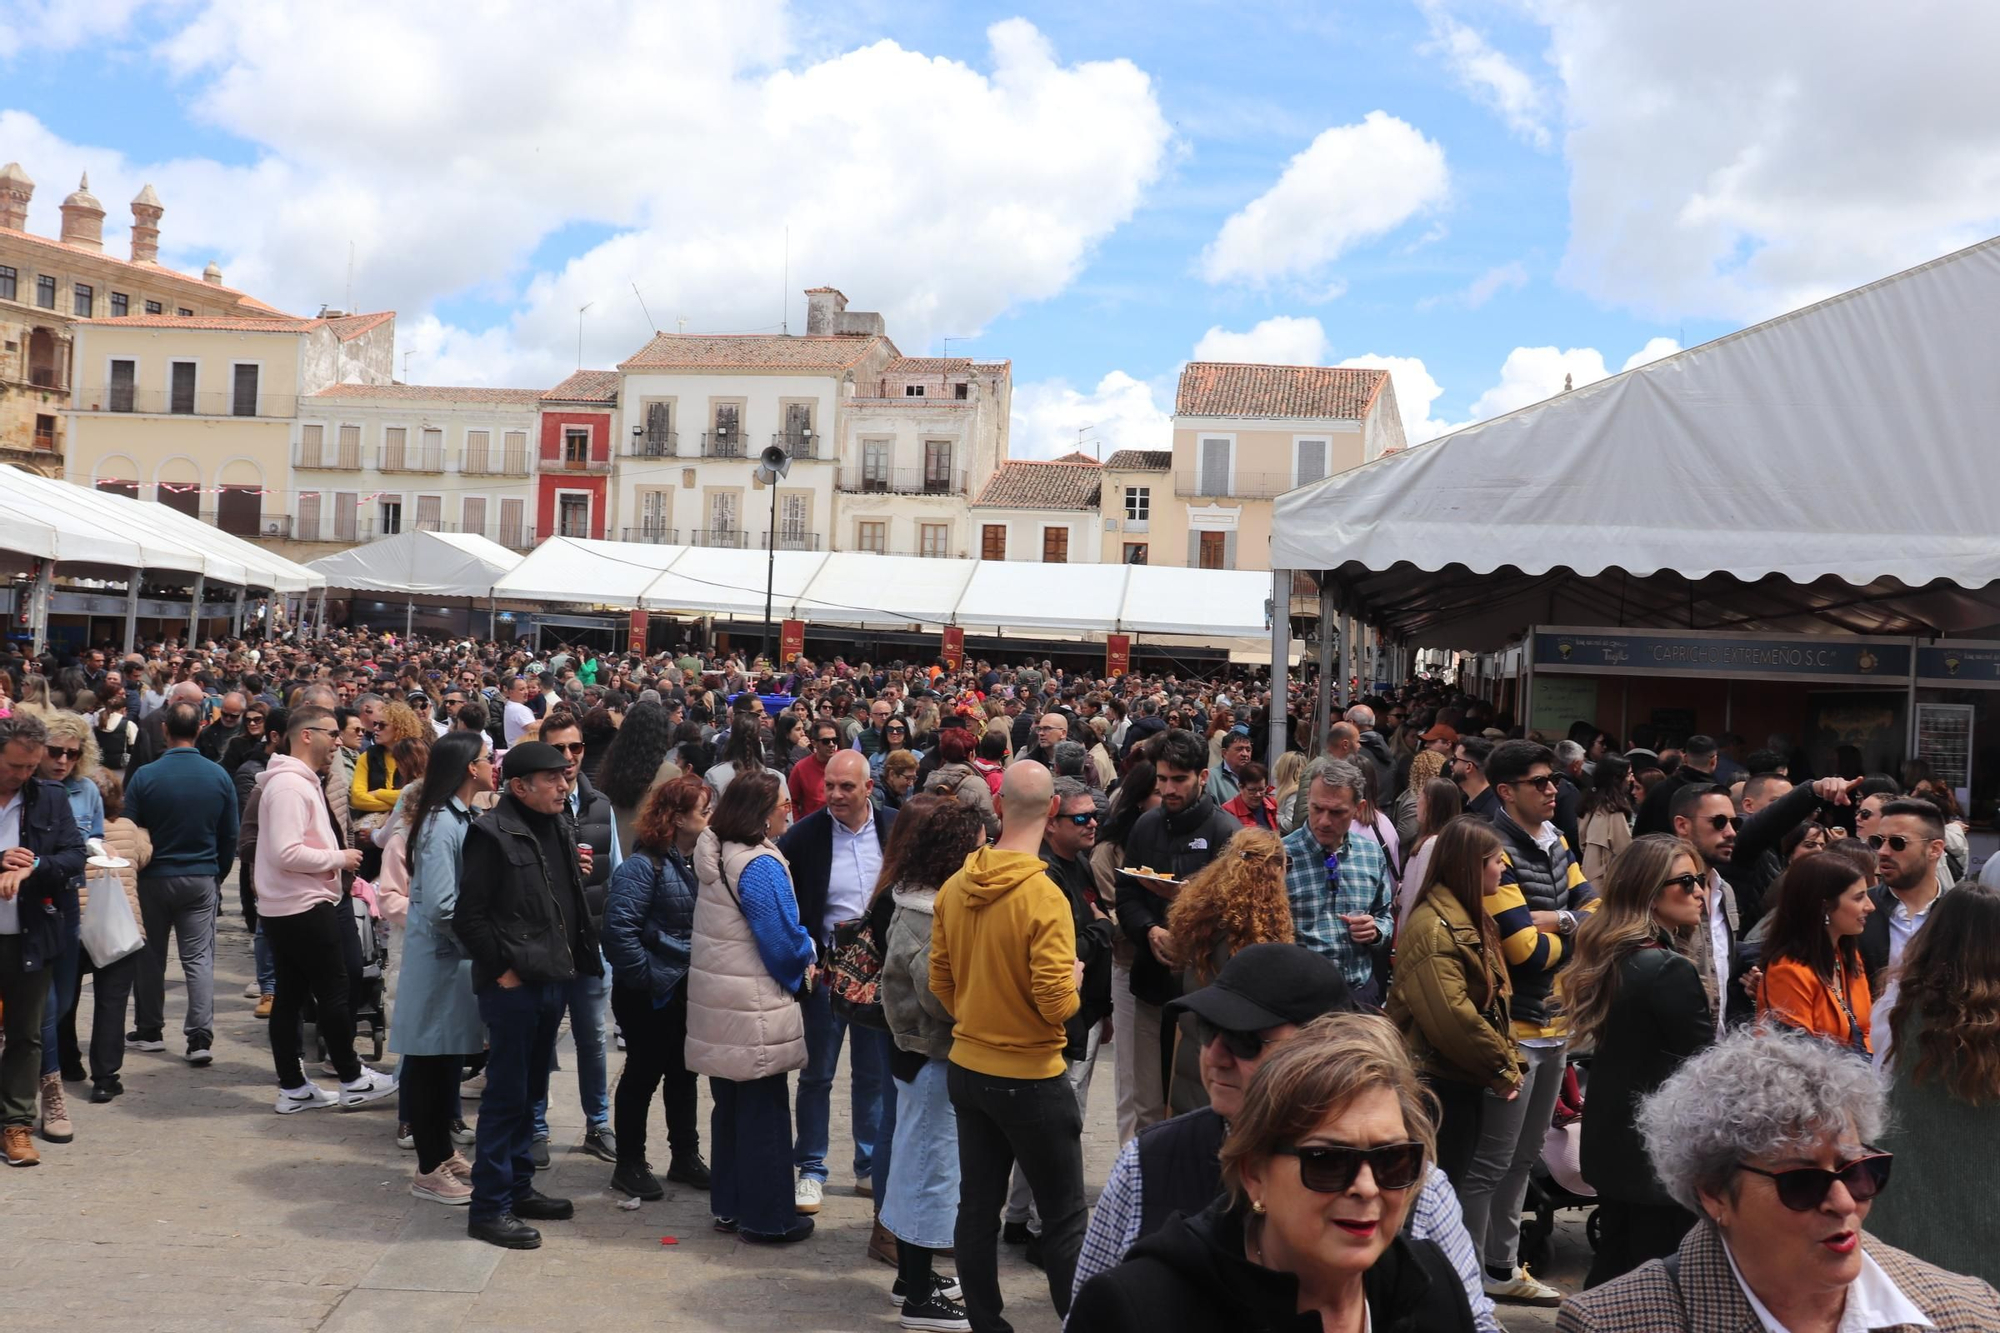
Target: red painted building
(573,472)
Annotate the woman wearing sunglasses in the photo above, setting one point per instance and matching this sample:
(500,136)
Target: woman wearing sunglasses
(1766,1137)
(1636,1000)
(1319,1172)
(1814,979)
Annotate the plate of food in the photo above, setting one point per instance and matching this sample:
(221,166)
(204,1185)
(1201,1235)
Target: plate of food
(1157,881)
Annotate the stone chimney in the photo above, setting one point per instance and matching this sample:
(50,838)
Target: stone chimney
(15,192)
(146,210)
(212,274)
(83,218)
(823,307)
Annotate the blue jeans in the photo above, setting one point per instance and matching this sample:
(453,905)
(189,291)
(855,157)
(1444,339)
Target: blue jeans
(521,1027)
(62,984)
(921,1205)
(589,1000)
(267,971)
(747,1131)
(869,1077)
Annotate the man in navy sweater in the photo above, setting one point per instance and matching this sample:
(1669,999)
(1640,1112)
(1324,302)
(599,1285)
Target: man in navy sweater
(188,805)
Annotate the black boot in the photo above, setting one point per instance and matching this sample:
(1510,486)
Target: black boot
(506,1230)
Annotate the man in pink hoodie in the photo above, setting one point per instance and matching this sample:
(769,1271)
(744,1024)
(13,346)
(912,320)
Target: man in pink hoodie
(299,900)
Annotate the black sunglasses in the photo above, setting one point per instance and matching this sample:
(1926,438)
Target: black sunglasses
(1242,1045)
(1546,782)
(1897,842)
(1805,1188)
(1331,1168)
(65,752)
(1721,822)
(1087,817)
(1685,883)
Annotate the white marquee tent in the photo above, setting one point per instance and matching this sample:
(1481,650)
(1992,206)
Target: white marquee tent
(420,564)
(1826,471)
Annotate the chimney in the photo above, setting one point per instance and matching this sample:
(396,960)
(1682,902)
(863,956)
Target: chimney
(212,274)
(146,212)
(83,218)
(15,192)
(823,307)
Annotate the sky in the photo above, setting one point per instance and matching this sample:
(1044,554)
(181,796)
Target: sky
(1482,196)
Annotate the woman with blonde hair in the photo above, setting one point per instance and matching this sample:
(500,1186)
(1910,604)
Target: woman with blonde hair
(1637,1000)
(1285,785)
(1424,766)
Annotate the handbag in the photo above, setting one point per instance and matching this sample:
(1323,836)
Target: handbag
(853,973)
(108,929)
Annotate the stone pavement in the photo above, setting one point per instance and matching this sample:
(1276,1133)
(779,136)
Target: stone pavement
(187,1204)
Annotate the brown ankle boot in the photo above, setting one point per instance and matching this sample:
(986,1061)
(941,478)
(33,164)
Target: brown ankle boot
(882,1244)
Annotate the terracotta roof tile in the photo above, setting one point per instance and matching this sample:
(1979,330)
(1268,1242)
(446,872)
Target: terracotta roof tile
(434,393)
(349,327)
(750,351)
(1025,483)
(928,365)
(585,386)
(1077,456)
(346,328)
(1230,389)
(1142,460)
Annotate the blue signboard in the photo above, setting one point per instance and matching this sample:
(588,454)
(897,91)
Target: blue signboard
(1958,664)
(1620,652)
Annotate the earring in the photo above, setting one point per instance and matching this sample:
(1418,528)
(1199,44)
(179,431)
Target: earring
(1256,1206)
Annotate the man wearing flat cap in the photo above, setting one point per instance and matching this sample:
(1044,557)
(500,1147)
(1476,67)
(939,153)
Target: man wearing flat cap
(521,916)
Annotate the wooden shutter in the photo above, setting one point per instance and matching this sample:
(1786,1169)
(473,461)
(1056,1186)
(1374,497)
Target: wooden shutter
(346,512)
(937,467)
(510,524)
(872,537)
(1312,460)
(514,461)
(993,541)
(350,447)
(722,511)
(181,397)
(245,403)
(433,458)
(430,513)
(308,524)
(478,452)
(792,518)
(395,449)
(874,465)
(1214,548)
(312,445)
(1055,546)
(1193,548)
(472,515)
(1215,467)
(657,430)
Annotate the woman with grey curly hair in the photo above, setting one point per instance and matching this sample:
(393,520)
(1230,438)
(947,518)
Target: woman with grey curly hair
(1765,1136)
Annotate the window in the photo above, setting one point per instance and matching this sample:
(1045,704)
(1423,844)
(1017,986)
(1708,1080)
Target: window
(1055,546)
(722,512)
(312,445)
(350,447)
(1214,468)
(655,507)
(121,305)
(346,510)
(1214,550)
(993,541)
(430,513)
(513,532)
(573,515)
(659,436)
(1311,461)
(184,313)
(937,467)
(478,452)
(934,539)
(875,465)
(433,455)
(152,307)
(792,511)
(81,300)
(391,510)
(961,391)
(308,524)
(45,431)
(9,283)
(514,447)
(244,401)
(728,431)
(395,448)
(913,391)
(45,292)
(871,537)
(1135,553)
(124,374)
(180,388)
(1138,504)
(576,447)
(240,510)
(472,515)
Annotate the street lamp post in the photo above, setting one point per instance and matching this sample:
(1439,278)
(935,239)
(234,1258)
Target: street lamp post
(771,466)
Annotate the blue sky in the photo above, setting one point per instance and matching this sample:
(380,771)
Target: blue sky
(1494,193)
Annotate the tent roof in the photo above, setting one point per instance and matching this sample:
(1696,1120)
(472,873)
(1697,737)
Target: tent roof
(1814,472)
(420,564)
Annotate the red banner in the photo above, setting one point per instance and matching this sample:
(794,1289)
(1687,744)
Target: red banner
(1117,654)
(954,647)
(791,641)
(635,634)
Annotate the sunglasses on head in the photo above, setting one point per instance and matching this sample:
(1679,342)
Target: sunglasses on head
(1331,1168)
(1805,1188)
(1897,842)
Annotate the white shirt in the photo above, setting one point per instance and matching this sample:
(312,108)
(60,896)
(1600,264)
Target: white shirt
(1873,1301)
(515,719)
(10,836)
(857,864)
(1903,925)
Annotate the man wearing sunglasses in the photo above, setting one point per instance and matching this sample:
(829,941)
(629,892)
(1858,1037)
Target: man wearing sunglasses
(226,726)
(1263,995)
(1909,847)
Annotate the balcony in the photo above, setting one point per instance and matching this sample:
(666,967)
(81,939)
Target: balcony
(654,536)
(584,466)
(803,445)
(722,443)
(1243,486)
(655,444)
(492,463)
(939,553)
(327,457)
(730,538)
(170,402)
(898,481)
(789,541)
(391,458)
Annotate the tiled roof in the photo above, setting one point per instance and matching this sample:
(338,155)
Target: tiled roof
(1077,456)
(750,351)
(585,386)
(1141,460)
(1230,389)
(433,393)
(151,270)
(1030,484)
(928,365)
(349,327)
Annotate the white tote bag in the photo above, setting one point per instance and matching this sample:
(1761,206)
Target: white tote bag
(108,930)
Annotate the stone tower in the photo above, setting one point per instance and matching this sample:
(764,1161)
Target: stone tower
(15,192)
(83,218)
(146,211)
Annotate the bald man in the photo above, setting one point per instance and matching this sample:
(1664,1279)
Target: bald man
(835,856)
(1004,962)
(1051,730)
(152,739)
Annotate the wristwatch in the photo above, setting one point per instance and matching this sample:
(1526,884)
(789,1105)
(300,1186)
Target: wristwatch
(1565,923)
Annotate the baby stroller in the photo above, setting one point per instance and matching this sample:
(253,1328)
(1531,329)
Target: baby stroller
(1557,1182)
(368,995)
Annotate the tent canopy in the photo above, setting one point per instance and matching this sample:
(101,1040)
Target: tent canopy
(420,564)
(858,589)
(1823,471)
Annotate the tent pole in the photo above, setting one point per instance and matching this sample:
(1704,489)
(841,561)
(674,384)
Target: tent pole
(322,613)
(1281,660)
(194,610)
(409,616)
(1323,700)
(39,595)
(1346,660)
(492,619)
(770,572)
(132,610)
(239,611)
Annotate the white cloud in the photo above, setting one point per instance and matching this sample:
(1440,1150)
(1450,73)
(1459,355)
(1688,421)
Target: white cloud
(1496,81)
(1531,374)
(1351,184)
(1283,340)
(692,135)
(1654,349)
(1416,389)
(1506,277)
(1805,150)
(1120,413)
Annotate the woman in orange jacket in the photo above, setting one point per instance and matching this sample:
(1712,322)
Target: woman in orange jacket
(1813,978)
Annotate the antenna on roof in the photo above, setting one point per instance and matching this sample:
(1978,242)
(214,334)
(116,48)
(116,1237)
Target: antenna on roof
(406,365)
(680,324)
(350,276)
(642,309)
(579,331)
(1096,446)
(785,287)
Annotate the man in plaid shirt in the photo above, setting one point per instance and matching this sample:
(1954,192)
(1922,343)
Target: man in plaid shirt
(1339,887)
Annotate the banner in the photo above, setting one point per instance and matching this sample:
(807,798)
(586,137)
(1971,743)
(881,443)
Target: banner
(635,634)
(1807,657)
(954,647)
(791,641)
(1117,654)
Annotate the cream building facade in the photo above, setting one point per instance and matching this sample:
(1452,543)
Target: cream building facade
(1040,511)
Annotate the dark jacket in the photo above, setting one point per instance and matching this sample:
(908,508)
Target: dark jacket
(1754,866)
(215,739)
(151,741)
(1376,751)
(1177,846)
(1874,942)
(808,850)
(1180,1167)
(1192,1276)
(513,912)
(1659,1017)
(48,894)
(188,805)
(592,824)
(649,923)
(1656,811)
(1093,946)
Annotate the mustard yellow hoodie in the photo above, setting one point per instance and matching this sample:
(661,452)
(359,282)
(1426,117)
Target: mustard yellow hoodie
(1003,950)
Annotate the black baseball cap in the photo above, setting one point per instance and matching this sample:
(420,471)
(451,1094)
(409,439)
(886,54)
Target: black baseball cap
(531,757)
(1266,985)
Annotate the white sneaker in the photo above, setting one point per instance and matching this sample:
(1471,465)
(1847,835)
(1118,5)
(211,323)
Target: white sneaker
(1523,1290)
(371,1086)
(806,1198)
(304,1098)
(253,992)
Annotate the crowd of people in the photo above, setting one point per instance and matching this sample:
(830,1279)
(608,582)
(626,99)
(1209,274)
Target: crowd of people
(1354,991)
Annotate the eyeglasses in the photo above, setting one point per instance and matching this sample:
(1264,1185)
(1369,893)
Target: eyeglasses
(1721,822)
(1546,782)
(231,717)
(573,748)
(1331,1168)
(1897,842)
(64,752)
(1805,1188)
(1242,1045)
(825,740)
(321,731)
(1083,820)
(1685,883)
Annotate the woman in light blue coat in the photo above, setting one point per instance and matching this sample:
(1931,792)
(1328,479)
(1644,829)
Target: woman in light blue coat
(436,1023)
